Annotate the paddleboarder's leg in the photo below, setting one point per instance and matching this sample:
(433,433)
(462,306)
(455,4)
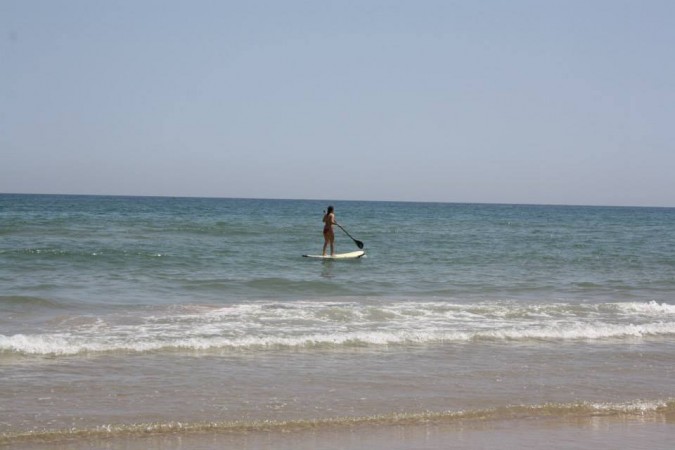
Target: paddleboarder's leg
(328,238)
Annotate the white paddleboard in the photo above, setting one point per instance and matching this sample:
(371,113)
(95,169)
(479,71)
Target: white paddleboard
(350,255)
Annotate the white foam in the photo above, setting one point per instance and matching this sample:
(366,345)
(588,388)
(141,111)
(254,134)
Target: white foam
(650,308)
(637,406)
(272,325)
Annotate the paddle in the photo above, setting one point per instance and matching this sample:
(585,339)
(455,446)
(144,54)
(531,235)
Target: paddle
(358,243)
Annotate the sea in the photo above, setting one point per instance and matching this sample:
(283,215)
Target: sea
(196,323)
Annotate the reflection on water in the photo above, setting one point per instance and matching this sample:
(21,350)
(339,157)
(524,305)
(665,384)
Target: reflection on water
(326,268)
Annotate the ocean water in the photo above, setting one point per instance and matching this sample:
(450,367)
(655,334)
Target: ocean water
(128,317)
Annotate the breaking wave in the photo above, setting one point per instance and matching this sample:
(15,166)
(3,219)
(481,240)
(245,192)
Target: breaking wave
(310,325)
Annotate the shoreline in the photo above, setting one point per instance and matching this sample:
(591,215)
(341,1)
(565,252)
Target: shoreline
(609,430)
(574,414)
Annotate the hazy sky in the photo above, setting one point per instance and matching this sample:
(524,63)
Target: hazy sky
(568,101)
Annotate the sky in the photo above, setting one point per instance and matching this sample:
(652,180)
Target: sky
(488,101)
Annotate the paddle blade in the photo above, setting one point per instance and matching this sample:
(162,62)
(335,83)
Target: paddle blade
(359,244)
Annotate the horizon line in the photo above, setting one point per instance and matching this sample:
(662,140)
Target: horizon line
(339,200)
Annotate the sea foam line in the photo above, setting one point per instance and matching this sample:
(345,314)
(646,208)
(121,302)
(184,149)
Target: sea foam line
(579,410)
(332,324)
(51,344)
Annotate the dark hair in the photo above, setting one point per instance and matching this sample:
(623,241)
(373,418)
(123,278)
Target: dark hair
(330,209)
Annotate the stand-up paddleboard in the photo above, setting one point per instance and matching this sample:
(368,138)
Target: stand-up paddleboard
(350,255)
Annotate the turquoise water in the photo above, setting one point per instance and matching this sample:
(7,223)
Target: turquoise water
(169,310)
(116,250)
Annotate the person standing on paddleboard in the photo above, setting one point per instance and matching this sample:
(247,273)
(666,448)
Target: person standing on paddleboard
(328,234)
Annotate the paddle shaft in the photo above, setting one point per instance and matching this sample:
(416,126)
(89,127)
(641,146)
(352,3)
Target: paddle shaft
(358,243)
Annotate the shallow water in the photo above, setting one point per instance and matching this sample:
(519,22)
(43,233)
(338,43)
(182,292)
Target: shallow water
(118,314)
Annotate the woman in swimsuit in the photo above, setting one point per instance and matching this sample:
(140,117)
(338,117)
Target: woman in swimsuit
(328,235)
